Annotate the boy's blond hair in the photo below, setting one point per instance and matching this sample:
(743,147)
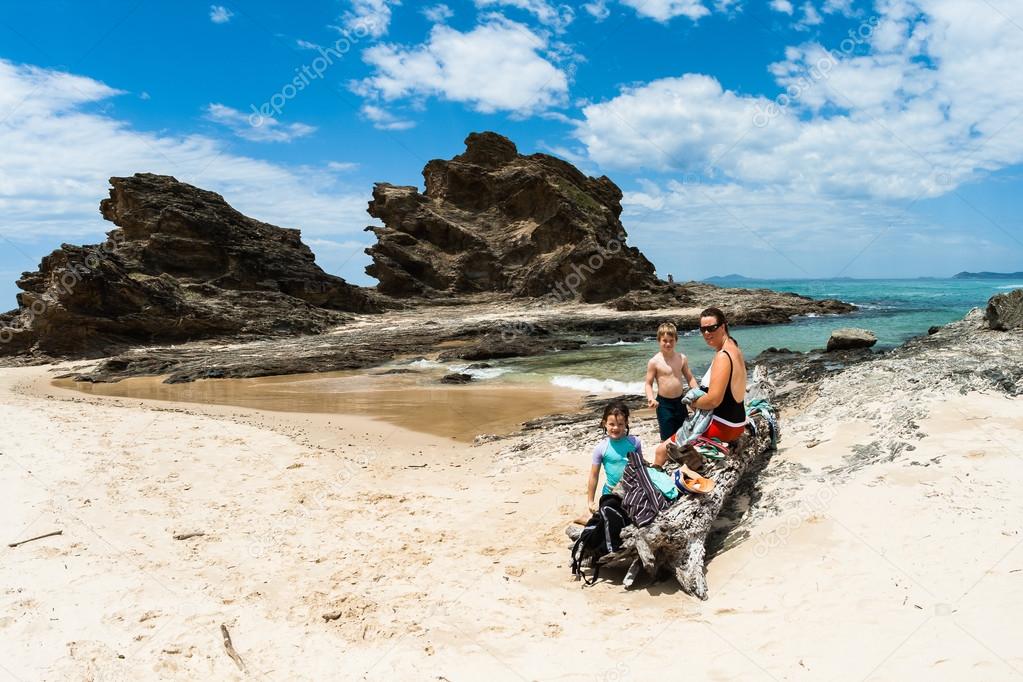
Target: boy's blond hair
(667,328)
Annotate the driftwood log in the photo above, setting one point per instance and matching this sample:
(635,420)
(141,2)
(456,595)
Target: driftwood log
(677,538)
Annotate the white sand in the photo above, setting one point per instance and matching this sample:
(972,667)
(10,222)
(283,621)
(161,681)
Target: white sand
(459,570)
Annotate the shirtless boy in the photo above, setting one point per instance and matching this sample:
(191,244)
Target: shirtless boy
(668,368)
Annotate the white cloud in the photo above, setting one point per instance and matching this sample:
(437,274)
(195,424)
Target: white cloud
(666,10)
(342,166)
(256,128)
(556,17)
(933,104)
(598,9)
(58,157)
(497,66)
(383,119)
(787,232)
(220,14)
(843,7)
(438,14)
(369,17)
(671,123)
(811,17)
(783,6)
(306,45)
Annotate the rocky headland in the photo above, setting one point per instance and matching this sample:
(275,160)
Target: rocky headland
(493,220)
(181,264)
(503,255)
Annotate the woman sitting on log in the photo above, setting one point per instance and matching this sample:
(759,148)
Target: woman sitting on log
(724,384)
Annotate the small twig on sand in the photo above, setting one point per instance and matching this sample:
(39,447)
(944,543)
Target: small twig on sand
(38,537)
(185,536)
(416,466)
(230,648)
(333,615)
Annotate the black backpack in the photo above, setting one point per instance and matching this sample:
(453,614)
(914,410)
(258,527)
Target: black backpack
(602,535)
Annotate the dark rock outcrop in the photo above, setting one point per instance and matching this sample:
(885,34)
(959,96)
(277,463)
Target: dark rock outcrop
(849,338)
(456,378)
(492,220)
(181,265)
(1005,311)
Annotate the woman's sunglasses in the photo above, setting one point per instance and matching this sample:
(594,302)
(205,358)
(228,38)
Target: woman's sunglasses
(711,328)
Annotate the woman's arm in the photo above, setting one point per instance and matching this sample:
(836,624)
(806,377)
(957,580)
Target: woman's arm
(719,376)
(591,487)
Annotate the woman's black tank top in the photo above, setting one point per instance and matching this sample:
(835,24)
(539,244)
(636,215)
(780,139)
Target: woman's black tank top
(730,409)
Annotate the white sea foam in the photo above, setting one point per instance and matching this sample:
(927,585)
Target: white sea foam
(1011,286)
(591,385)
(425,364)
(480,372)
(619,343)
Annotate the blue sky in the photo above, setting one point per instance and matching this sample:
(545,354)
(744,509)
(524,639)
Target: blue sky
(818,138)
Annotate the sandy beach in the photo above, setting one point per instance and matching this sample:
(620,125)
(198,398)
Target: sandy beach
(348,547)
(312,310)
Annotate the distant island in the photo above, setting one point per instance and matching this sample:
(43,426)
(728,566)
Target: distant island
(988,275)
(726,278)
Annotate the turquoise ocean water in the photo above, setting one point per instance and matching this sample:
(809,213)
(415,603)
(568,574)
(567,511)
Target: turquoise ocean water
(895,310)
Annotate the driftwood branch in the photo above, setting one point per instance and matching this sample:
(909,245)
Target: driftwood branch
(38,537)
(677,537)
(230,648)
(185,536)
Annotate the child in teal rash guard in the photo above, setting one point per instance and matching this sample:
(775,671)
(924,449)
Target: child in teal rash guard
(611,452)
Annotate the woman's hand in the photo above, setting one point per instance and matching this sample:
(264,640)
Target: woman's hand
(593,506)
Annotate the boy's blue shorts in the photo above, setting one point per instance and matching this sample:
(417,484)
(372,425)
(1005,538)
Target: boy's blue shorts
(671,413)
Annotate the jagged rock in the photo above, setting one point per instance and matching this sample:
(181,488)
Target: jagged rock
(456,378)
(741,306)
(492,220)
(494,346)
(849,337)
(793,372)
(1005,311)
(181,265)
(671,296)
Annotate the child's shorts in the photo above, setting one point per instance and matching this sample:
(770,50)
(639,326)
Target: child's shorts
(671,414)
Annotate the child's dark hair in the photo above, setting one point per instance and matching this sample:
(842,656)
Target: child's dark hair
(615,407)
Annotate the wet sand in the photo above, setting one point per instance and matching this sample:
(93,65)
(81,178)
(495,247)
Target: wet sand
(416,402)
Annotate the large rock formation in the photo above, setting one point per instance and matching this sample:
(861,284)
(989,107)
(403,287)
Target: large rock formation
(492,220)
(848,338)
(1005,311)
(182,265)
